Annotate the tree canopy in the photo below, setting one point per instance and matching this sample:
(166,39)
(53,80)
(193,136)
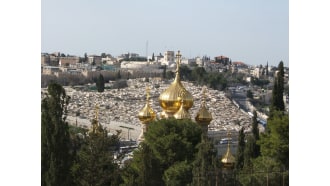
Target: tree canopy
(167,154)
(56,158)
(94,163)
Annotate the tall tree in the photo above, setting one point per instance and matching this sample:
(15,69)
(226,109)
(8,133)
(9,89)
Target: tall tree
(164,72)
(249,151)
(118,76)
(277,97)
(94,164)
(172,145)
(55,138)
(240,150)
(100,83)
(255,132)
(85,58)
(275,142)
(153,57)
(205,165)
(273,163)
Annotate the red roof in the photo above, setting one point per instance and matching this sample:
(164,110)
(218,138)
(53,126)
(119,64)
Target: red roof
(238,63)
(222,57)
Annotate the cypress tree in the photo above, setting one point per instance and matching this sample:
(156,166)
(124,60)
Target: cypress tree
(249,152)
(164,72)
(255,132)
(277,97)
(153,57)
(240,150)
(204,166)
(55,139)
(100,83)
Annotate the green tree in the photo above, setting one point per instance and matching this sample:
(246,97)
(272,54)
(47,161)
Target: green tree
(278,89)
(94,164)
(85,58)
(178,174)
(170,74)
(240,150)
(100,83)
(56,159)
(249,94)
(185,72)
(177,142)
(205,164)
(143,169)
(118,75)
(275,142)
(249,151)
(264,171)
(255,132)
(164,72)
(153,57)
(252,149)
(198,74)
(172,145)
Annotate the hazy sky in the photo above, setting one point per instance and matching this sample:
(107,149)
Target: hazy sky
(251,31)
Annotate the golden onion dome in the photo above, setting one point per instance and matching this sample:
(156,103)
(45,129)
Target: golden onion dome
(203,116)
(228,159)
(163,115)
(95,127)
(147,114)
(182,113)
(169,98)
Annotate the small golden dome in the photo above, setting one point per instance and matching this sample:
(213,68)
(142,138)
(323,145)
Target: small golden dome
(147,114)
(203,116)
(95,127)
(228,159)
(169,98)
(163,115)
(182,113)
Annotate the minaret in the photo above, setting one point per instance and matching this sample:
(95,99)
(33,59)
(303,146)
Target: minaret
(228,159)
(169,99)
(146,115)
(203,116)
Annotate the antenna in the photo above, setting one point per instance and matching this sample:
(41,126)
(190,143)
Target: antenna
(147,51)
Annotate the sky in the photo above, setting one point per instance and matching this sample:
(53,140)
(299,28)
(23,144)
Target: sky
(254,32)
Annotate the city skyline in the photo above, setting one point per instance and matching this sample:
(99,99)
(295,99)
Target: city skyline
(254,32)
